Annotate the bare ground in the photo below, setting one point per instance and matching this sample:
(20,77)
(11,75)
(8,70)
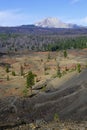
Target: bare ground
(66,97)
(69,101)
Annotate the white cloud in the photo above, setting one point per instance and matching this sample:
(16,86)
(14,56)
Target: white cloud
(13,18)
(79,21)
(84,20)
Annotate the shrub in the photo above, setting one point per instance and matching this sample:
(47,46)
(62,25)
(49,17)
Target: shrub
(13,73)
(41,60)
(79,68)
(7,77)
(30,80)
(58,71)
(65,53)
(46,73)
(25,92)
(22,70)
(43,89)
(7,69)
(56,117)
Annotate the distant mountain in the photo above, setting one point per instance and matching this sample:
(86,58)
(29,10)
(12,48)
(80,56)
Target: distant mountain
(54,23)
(47,26)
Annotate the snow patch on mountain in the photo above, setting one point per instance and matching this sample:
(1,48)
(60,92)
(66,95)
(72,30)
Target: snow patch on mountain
(54,23)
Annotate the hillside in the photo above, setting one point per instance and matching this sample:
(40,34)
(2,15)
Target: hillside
(32,29)
(27,38)
(41,50)
(68,102)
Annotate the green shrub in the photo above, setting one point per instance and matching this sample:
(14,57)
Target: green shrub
(30,81)
(79,67)
(43,88)
(22,70)
(48,56)
(7,77)
(65,53)
(58,71)
(25,92)
(46,73)
(41,60)
(13,73)
(56,117)
(64,72)
(7,69)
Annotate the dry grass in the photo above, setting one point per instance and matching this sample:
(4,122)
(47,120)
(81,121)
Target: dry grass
(35,62)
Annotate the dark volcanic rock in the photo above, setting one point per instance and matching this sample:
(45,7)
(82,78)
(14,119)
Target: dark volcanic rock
(69,102)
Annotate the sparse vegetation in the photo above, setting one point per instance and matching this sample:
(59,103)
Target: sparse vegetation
(47,100)
(46,83)
(37,62)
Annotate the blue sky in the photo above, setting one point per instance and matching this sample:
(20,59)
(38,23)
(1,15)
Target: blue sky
(18,12)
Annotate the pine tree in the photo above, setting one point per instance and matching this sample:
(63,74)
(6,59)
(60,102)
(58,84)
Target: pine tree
(21,70)
(79,68)
(7,68)
(48,57)
(30,80)
(58,71)
(65,53)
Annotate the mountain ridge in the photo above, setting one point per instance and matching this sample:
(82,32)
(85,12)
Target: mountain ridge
(53,22)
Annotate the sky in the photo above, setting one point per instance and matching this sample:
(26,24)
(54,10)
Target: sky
(22,12)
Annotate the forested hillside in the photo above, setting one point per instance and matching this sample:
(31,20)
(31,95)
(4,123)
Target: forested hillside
(13,39)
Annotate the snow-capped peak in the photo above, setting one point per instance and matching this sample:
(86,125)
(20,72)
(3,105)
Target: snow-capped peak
(51,22)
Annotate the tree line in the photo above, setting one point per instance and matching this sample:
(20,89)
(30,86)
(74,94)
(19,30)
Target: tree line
(16,42)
